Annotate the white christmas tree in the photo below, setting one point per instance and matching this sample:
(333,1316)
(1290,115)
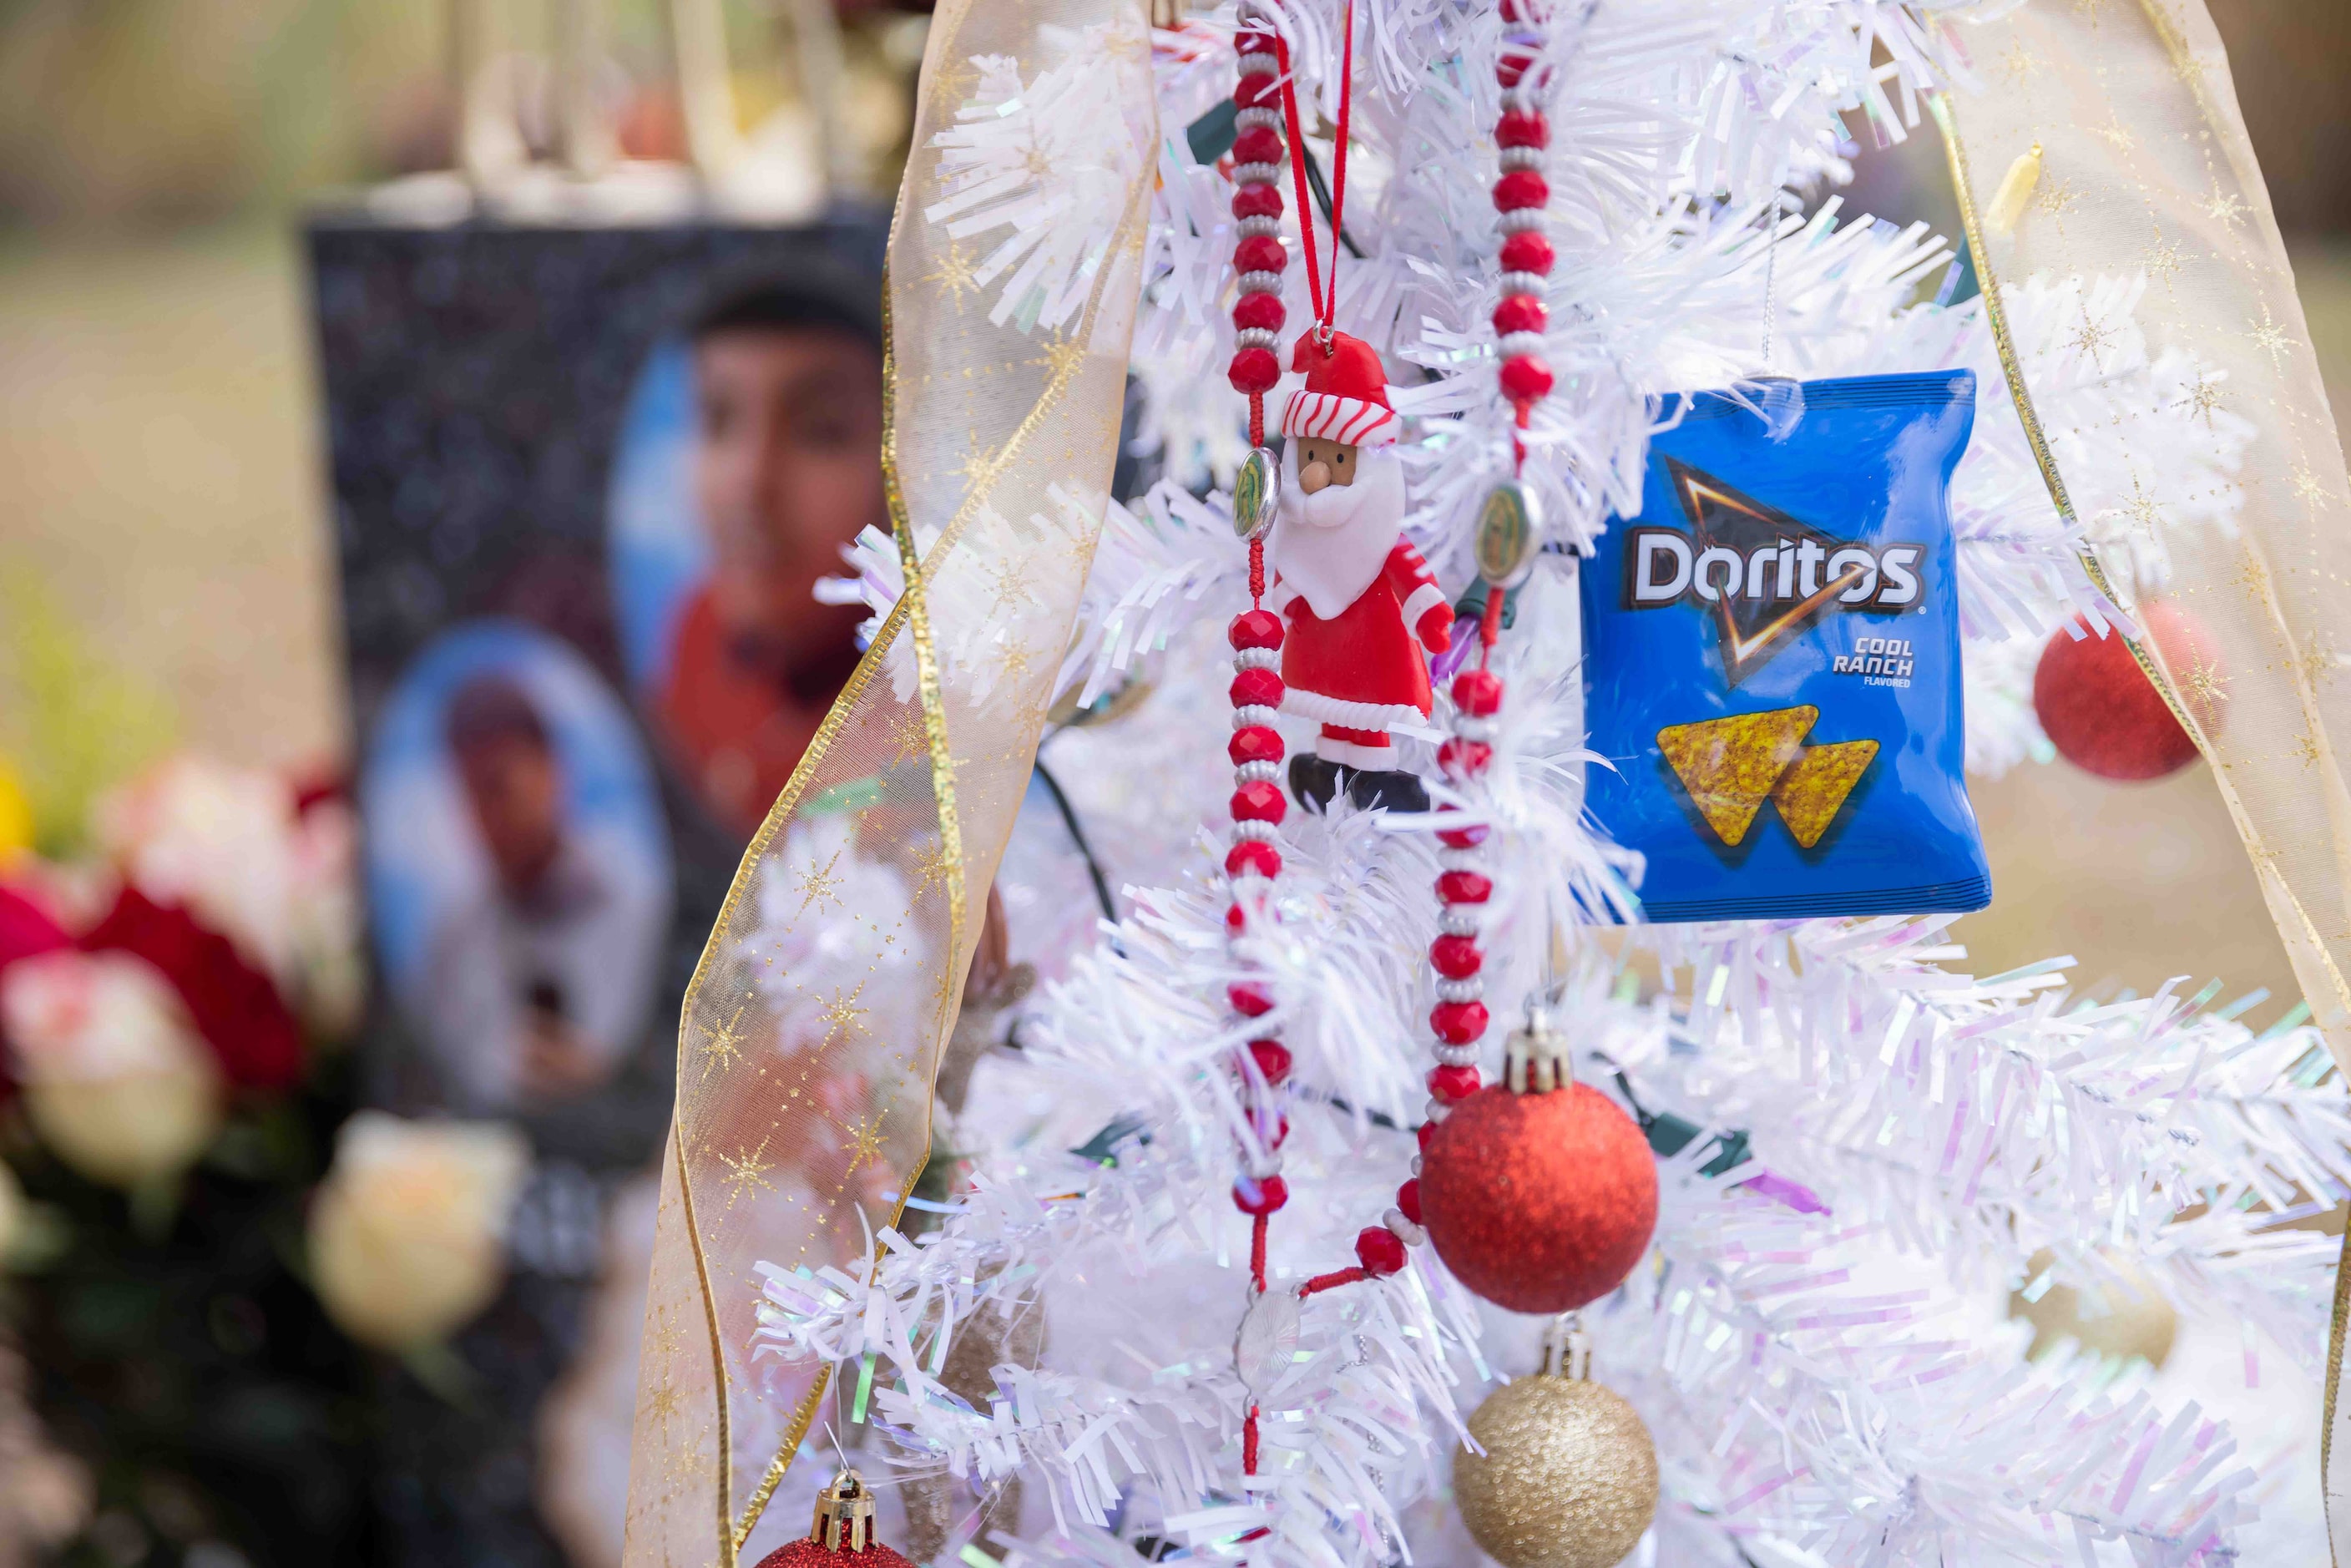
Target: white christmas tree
(1863,1148)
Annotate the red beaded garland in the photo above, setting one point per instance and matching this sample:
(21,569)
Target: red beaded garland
(1457,1023)
(1521,313)
(1456,957)
(1255,743)
(1380,1252)
(1467,838)
(1453,1083)
(1259,801)
(1408,1200)
(1521,188)
(1459,759)
(1527,251)
(1519,128)
(1263,312)
(1257,688)
(1255,629)
(1259,144)
(1254,370)
(1248,999)
(1260,1195)
(1272,1059)
(1478,693)
(1252,857)
(1527,378)
(1464,886)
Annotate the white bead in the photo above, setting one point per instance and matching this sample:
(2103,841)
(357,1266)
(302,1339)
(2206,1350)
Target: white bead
(1458,919)
(1522,158)
(1257,338)
(1259,773)
(1436,1110)
(1248,829)
(1470,727)
(1261,228)
(1454,1055)
(1415,1164)
(1459,860)
(1515,345)
(1469,990)
(1522,98)
(1519,221)
(1261,1166)
(1530,283)
(1245,174)
(1258,119)
(1248,885)
(1258,65)
(1403,1229)
(1256,658)
(1251,716)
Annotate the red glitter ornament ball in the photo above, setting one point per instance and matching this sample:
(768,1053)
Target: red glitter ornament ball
(2103,716)
(1539,1203)
(807,1553)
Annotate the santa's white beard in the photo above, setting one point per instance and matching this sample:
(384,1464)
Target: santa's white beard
(1328,546)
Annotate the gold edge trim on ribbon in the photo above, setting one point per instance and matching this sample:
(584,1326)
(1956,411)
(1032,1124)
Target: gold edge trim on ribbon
(717,1350)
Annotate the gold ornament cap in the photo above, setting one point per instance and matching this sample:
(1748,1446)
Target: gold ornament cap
(1536,1060)
(844,1514)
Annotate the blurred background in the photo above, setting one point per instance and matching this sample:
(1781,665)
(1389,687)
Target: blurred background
(208,1353)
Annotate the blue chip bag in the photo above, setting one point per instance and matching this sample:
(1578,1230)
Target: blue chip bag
(1771,657)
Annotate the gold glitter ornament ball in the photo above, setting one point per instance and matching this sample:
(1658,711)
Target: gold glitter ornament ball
(1568,1477)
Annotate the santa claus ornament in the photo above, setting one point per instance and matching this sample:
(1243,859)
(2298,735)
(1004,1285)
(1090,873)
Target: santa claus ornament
(1364,612)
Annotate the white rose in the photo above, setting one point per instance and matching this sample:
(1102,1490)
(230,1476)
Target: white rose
(408,1230)
(219,841)
(117,1081)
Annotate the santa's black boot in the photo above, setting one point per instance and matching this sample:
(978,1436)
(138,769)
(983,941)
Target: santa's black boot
(1316,781)
(1388,791)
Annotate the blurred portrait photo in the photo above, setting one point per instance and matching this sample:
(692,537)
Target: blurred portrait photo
(750,454)
(518,868)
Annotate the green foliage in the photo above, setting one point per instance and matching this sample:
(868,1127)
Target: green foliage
(71,723)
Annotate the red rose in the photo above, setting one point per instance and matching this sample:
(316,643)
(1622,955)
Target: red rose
(236,1007)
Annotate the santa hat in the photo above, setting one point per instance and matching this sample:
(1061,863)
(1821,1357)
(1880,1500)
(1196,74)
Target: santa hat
(1346,393)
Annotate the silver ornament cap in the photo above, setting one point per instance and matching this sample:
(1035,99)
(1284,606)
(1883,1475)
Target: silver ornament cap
(1257,494)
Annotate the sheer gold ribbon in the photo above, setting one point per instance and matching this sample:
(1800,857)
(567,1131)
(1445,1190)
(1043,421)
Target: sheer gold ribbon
(812,1028)
(2144,167)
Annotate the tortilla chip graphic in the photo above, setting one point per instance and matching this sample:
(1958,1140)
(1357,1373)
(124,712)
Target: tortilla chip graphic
(1809,794)
(1728,764)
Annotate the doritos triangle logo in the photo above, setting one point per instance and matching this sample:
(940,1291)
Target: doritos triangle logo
(1731,765)
(1764,576)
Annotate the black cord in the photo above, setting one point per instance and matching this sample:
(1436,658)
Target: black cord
(1322,199)
(1078,836)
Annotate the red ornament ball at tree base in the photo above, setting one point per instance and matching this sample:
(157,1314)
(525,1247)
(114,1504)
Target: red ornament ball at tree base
(842,1536)
(1539,1203)
(2102,713)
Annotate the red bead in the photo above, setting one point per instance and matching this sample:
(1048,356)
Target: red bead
(1456,957)
(1259,801)
(1521,313)
(1256,91)
(1248,999)
(1463,886)
(1259,253)
(1467,838)
(1259,145)
(1379,1251)
(1408,1200)
(1272,1059)
(1262,312)
(1526,378)
(1254,1194)
(1253,371)
(1512,65)
(1257,688)
(1478,693)
(1255,744)
(1539,1203)
(1272,1128)
(1462,758)
(1453,1083)
(1256,201)
(1527,251)
(1252,857)
(1520,130)
(1255,629)
(1254,41)
(2105,717)
(1423,1133)
(1457,1023)
(1521,188)
(1234,918)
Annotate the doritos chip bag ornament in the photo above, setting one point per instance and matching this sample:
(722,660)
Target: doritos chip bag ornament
(1363,612)
(1772,654)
